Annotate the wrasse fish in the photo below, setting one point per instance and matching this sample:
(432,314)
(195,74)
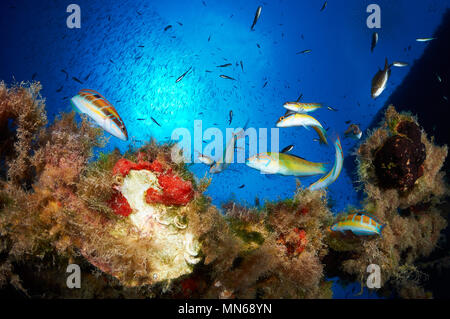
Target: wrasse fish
(223,65)
(101,111)
(305,120)
(304,51)
(380,79)
(360,224)
(301,107)
(374,41)
(168,27)
(425,39)
(242,186)
(257,14)
(227,77)
(284,164)
(332,176)
(183,75)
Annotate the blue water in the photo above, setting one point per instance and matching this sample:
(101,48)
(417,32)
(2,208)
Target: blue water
(140,81)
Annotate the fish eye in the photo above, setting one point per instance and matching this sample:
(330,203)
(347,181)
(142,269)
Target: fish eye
(281,118)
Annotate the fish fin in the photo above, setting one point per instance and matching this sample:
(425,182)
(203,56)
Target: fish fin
(386,64)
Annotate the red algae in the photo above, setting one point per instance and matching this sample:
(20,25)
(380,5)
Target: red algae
(119,205)
(176,191)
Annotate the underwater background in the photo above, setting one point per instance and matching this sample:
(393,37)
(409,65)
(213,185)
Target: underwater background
(124,51)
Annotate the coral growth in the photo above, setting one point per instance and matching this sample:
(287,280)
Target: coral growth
(139,224)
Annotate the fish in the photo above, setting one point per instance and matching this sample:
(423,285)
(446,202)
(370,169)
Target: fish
(438,78)
(334,173)
(140,119)
(287,149)
(324,6)
(205,159)
(183,75)
(65,72)
(222,164)
(168,27)
(380,79)
(360,224)
(353,131)
(302,107)
(399,64)
(209,38)
(332,109)
(257,14)
(257,44)
(304,51)
(425,39)
(242,66)
(231,117)
(180,23)
(374,41)
(242,186)
(284,164)
(223,65)
(208,71)
(76,80)
(264,84)
(156,122)
(305,120)
(95,106)
(227,77)
(110,60)
(141,46)
(87,76)
(59,89)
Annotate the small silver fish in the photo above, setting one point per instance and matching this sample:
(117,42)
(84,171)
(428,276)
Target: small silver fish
(399,64)
(304,51)
(425,39)
(257,14)
(287,149)
(183,75)
(227,77)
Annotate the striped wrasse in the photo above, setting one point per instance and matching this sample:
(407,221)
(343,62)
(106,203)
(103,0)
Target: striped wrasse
(360,224)
(299,107)
(94,105)
(332,175)
(305,120)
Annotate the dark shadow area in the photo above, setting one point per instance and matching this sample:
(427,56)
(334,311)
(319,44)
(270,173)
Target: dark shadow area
(425,92)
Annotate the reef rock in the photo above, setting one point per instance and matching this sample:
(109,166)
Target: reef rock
(398,163)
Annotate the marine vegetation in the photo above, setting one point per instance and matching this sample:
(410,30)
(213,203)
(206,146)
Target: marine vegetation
(400,171)
(139,224)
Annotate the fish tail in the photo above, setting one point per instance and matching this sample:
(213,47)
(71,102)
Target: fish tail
(322,134)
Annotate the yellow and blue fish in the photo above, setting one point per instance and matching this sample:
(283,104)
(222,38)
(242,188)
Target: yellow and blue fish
(94,105)
(284,164)
(299,107)
(360,224)
(332,175)
(305,120)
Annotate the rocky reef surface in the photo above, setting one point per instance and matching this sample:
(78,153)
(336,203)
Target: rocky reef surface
(139,225)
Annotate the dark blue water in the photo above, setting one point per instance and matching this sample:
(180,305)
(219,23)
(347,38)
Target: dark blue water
(122,51)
